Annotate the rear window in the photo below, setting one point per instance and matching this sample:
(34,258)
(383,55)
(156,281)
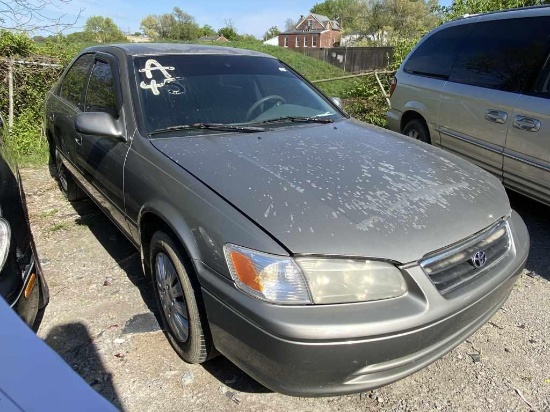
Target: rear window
(436,55)
(502,54)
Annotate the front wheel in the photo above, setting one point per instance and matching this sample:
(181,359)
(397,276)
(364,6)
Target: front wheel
(417,129)
(180,301)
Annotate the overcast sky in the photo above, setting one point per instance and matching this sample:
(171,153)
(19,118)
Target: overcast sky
(250,17)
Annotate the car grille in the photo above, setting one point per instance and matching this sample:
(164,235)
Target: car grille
(463,262)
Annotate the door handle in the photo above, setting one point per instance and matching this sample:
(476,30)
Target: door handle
(496,116)
(78,139)
(527,124)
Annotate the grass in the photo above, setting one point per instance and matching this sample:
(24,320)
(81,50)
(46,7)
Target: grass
(48,213)
(59,226)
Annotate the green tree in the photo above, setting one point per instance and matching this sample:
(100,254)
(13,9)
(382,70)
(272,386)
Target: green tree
(271,32)
(207,30)
(349,12)
(185,27)
(459,8)
(177,25)
(103,30)
(229,33)
(15,44)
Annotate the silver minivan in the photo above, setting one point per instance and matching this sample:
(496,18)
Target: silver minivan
(480,88)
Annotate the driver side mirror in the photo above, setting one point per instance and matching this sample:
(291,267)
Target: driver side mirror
(98,124)
(337,102)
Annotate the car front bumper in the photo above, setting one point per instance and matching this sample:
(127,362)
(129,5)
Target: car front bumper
(341,349)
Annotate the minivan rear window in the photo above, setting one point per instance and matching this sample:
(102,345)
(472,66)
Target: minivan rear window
(436,55)
(502,54)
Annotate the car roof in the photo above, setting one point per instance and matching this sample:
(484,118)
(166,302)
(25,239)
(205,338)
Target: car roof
(144,49)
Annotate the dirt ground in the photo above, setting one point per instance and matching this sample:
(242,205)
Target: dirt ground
(100,321)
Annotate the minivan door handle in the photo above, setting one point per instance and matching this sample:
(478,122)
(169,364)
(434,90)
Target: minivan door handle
(527,123)
(496,116)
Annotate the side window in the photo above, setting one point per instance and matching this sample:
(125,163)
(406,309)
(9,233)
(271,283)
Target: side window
(101,94)
(436,55)
(74,81)
(502,54)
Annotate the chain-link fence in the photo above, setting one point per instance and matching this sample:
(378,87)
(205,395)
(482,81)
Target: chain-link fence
(23,86)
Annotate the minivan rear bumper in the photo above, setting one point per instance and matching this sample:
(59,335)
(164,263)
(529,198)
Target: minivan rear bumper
(300,355)
(393,117)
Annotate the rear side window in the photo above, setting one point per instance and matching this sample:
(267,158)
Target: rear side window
(101,95)
(502,54)
(436,55)
(74,81)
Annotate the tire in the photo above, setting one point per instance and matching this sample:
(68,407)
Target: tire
(179,300)
(72,191)
(416,129)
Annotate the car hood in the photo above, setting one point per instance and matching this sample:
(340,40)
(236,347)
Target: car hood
(346,188)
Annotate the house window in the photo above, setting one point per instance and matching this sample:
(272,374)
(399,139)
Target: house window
(310,23)
(286,41)
(314,41)
(305,41)
(297,41)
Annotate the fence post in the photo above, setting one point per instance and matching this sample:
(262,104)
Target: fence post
(10,93)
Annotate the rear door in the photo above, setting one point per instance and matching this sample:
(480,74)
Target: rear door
(67,104)
(527,153)
(492,68)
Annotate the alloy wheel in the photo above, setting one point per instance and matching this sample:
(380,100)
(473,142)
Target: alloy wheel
(171,297)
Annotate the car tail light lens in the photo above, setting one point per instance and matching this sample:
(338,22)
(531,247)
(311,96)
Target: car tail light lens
(393,85)
(276,279)
(5,239)
(347,281)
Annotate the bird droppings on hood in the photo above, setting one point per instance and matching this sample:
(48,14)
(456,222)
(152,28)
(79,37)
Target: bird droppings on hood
(343,185)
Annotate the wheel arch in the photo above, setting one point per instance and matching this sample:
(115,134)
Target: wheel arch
(155,218)
(409,115)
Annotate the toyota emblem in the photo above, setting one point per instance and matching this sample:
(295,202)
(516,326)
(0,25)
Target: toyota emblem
(479,259)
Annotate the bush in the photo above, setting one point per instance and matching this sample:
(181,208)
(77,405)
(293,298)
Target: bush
(365,101)
(26,140)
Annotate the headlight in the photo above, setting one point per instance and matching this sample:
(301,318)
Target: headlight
(276,279)
(346,281)
(283,280)
(5,235)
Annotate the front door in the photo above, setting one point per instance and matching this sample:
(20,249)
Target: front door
(101,159)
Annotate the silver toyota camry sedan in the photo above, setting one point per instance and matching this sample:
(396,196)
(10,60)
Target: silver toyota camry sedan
(320,254)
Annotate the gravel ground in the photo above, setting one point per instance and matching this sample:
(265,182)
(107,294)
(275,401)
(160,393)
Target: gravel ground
(100,321)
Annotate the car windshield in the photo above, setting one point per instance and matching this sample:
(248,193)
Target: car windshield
(179,91)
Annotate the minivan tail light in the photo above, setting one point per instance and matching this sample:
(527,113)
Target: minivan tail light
(393,85)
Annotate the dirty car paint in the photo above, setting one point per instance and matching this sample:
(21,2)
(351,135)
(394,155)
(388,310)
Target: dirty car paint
(345,188)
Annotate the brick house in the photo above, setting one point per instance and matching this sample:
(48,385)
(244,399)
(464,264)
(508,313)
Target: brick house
(312,30)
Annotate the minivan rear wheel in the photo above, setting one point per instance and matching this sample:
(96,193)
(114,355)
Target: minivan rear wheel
(417,130)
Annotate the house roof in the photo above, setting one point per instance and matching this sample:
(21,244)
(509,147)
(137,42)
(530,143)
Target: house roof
(324,20)
(211,38)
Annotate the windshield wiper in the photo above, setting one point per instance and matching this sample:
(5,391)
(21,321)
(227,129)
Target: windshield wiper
(299,119)
(211,126)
